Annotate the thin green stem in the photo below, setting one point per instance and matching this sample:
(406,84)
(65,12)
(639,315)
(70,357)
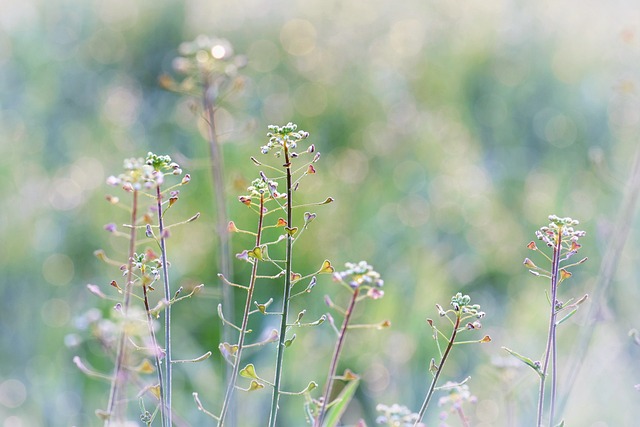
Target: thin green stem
(245,320)
(217,175)
(286,294)
(167,310)
(550,351)
(156,354)
(334,360)
(432,387)
(119,376)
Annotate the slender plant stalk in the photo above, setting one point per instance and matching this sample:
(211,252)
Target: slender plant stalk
(608,267)
(245,320)
(287,292)
(463,418)
(432,387)
(551,340)
(119,379)
(217,175)
(156,354)
(167,310)
(334,360)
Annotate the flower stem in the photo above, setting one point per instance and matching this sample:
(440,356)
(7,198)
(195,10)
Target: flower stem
(551,340)
(334,359)
(463,418)
(167,310)
(217,175)
(245,320)
(286,294)
(120,376)
(156,354)
(432,387)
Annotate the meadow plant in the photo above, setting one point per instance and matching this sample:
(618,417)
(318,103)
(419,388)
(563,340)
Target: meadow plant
(266,201)
(396,416)
(457,395)
(562,239)
(362,282)
(142,177)
(463,316)
(283,143)
(208,70)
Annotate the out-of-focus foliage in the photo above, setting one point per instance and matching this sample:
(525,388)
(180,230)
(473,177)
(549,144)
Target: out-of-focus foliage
(450,131)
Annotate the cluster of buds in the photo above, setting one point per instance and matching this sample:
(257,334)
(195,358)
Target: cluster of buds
(361,275)
(261,187)
(462,303)
(396,416)
(286,138)
(148,264)
(205,57)
(458,395)
(146,173)
(560,229)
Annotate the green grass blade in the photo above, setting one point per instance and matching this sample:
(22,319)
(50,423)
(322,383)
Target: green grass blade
(339,405)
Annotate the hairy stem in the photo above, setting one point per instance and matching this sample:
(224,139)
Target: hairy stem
(286,294)
(119,377)
(167,310)
(156,354)
(245,320)
(334,359)
(432,387)
(551,339)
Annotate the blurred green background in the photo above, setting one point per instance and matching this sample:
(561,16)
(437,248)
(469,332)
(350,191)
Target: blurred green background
(449,131)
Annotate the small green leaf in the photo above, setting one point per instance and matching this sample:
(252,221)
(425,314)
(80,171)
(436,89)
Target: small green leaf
(255,385)
(339,405)
(533,365)
(256,253)
(312,386)
(145,367)
(155,390)
(326,267)
(291,231)
(228,349)
(290,341)
(249,371)
(308,217)
(567,317)
(433,368)
(262,308)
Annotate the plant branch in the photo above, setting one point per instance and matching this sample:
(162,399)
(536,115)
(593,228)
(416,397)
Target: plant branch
(119,376)
(286,294)
(334,360)
(245,320)
(167,310)
(217,175)
(156,355)
(432,387)
(550,350)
